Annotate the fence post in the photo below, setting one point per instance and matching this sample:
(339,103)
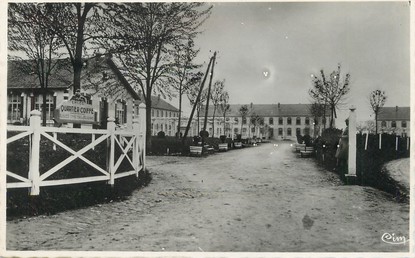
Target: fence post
(380,141)
(35,152)
(407,143)
(351,174)
(396,143)
(110,164)
(136,146)
(142,114)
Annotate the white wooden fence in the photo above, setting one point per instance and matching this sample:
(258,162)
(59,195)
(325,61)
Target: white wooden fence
(129,141)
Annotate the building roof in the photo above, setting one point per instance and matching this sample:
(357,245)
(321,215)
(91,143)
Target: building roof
(158,103)
(20,75)
(394,113)
(267,110)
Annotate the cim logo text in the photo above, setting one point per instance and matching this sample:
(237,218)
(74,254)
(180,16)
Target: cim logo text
(394,239)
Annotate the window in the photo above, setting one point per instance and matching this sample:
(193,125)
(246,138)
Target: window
(315,121)
(120,112)
(158,113)
(298,121)
(244,120)
(161,127)
(298,131)
(15,107)
(280,121)
(236,120)
(157,127)
(162,114)
(49,105)
(383,124)
(307,131)
(403,124)
(253,130)
(288,120)
(307,121)
(243,130)
(280,131)
(235,130)
(271,121)
(394,124)
(288,131)
(66,94)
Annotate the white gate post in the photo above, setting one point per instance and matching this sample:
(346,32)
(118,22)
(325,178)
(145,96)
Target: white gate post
(351,174)
(110,165)
(136,146)
(35,152)
(142,113)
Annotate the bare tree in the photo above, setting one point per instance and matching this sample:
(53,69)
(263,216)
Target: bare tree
(377,100)
(29,34)
(75,24)
(243,111)
(318,111)
(330,90)
(257,121)
(224,108)
(192,96)
(146,36)
(217,91)
(183,74)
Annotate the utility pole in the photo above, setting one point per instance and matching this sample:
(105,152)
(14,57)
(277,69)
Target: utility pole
(208,96)
(196,102)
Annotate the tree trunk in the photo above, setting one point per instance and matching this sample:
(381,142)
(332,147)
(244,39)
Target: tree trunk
(148,122)
(213,122)
(44,107)
(376,123)
(180,113)
(224,124)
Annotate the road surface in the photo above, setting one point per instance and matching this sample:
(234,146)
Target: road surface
(259,199)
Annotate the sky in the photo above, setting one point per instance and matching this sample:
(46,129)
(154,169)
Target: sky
(268,51)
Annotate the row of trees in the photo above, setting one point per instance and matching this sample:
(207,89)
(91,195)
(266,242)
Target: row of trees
(254,119)
(153,42)
(328,93)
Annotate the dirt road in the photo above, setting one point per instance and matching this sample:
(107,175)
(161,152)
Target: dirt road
(259,199)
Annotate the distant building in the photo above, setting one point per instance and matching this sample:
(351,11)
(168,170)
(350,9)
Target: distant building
(395,120)
(102,84)
(280,121)
(164,116)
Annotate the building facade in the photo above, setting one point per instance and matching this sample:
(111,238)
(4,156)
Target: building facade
(102,85)
(395,120)
(271,121)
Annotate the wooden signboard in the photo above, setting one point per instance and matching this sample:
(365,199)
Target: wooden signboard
(75,110)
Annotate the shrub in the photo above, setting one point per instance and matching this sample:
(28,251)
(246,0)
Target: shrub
(307,140)
(222,138)
(196,140)
(299,138)
(204,134)
(161,134)
(239,137)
